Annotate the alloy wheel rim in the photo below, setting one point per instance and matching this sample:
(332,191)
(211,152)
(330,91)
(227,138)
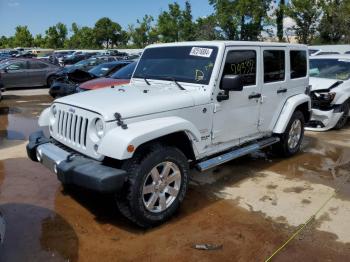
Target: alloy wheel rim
(161,187)
(294,134)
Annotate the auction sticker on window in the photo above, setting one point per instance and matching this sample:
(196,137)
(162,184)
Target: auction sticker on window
(200,51)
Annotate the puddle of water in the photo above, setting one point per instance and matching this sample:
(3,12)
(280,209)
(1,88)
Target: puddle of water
(17,127)
(36,234)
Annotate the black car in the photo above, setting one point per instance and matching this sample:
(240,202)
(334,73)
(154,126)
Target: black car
(73,59)
(67,83)
(84,65)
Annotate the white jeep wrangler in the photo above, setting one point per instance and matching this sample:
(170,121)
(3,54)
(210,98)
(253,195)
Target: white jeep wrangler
(192,104)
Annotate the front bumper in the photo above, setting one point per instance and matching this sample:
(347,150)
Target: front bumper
(323,120)
(74,168)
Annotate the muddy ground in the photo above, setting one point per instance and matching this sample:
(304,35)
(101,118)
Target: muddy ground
(250,206)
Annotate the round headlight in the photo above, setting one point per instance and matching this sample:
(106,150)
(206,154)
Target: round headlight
(99,127)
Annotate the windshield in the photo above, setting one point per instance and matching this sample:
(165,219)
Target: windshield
(102,69)
(125,72)
(182,63)
(330,68)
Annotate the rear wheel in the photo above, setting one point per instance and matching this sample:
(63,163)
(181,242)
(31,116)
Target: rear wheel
(156,187)
(344,118)
(292,137)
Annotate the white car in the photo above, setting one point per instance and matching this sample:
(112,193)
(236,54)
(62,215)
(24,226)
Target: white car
(330,92)
(191,104)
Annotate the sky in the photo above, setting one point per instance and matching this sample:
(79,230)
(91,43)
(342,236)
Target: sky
(38,15)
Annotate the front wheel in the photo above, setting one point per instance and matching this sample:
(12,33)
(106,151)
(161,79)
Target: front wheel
(50,81)
(156,187)
(344,118)
(292,137)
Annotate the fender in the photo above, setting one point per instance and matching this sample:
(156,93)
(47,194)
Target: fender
(141,132)
(44,118)
(343,96)
(288,109)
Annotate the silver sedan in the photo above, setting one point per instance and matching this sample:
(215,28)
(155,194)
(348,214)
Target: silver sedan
(26,73)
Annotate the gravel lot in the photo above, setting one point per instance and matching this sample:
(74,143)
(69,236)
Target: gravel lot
(250,206)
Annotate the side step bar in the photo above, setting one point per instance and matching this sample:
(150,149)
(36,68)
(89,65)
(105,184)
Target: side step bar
(236,153)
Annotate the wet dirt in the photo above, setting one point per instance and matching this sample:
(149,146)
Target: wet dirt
(42,222)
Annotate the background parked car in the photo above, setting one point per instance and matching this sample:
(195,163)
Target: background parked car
(76,57)
(84,65)
(330,92)
(120,77)
(67,84)
(26,73)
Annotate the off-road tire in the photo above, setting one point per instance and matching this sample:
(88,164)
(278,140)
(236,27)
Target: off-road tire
(130,200)
(282,148)
(344,118)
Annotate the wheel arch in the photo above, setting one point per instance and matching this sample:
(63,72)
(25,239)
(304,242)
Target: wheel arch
(180,140)
(299,102)
(174,131)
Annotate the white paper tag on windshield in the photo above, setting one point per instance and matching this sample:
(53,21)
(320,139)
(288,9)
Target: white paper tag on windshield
(199,51)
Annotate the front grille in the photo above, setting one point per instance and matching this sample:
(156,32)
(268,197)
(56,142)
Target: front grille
(72,128)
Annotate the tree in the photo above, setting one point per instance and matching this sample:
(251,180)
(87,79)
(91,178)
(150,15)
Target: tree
(3,42)
(253,18)
(39,41)
(241,19)
(186,24)
(23,37)
(169,23)
(279,19)
(56,36)
(226,17)
(141,35)
(107,32)
(306,15)
(333,26)
(83,37)
(205,28)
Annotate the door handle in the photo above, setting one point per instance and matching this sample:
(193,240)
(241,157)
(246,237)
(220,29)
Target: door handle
(254,95)
(282,90)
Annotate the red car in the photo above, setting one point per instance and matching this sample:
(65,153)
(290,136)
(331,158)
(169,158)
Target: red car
(121,77)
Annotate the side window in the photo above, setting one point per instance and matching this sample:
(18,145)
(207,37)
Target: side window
(242,62)
(298,64)
(37,65)
(18,65)
(274,66)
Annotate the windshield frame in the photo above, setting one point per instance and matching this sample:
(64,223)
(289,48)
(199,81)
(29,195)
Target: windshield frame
(212,58)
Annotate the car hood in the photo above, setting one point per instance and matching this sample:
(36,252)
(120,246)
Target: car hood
(103,82)
(323,83)
(130,100)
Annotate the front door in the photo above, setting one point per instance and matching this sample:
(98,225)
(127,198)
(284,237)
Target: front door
(236,119)
(15,74)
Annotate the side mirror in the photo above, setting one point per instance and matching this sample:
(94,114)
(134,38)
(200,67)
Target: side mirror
(5,70)
(232,83)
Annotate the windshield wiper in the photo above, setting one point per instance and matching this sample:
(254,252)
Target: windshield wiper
(174,80)
(147,82)
(177,83)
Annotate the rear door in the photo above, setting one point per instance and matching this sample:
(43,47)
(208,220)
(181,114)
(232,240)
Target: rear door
(15,74)
(275,89)
(37,73)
